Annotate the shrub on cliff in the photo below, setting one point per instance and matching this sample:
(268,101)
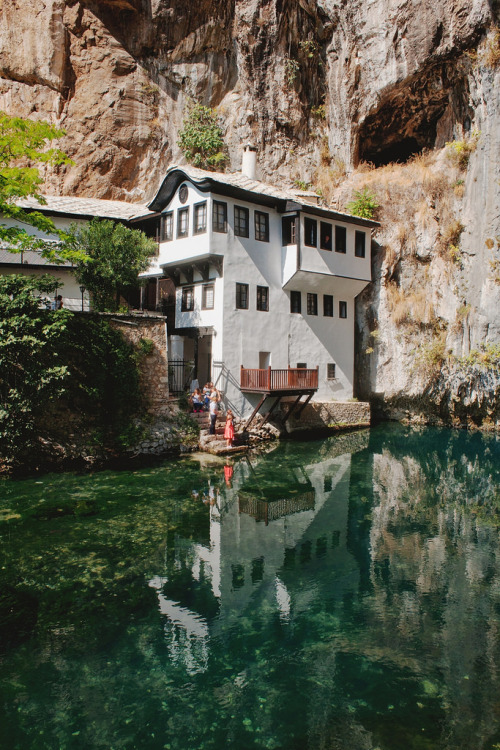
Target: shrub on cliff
(201,138)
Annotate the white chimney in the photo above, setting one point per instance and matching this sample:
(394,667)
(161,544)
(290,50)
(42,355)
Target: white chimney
(249,161)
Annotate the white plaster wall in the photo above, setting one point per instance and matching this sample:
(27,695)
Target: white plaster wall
(329,261)
(184,247)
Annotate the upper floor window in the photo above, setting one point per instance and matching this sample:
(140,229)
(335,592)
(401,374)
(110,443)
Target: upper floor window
(289,230)
(200,218)
(182,222)
(261,226)
(342,309)
(263,298)
(325,236)
(340,239)
(219,216)
(242,296)
(207,297)
(328,305)
(295,302)
(241,221)
(187,301)
(359,244)
(183,193)
(312,303)
(330,371)
(310,232)
(167,227)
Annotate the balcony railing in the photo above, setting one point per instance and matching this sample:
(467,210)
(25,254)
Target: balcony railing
(268,380)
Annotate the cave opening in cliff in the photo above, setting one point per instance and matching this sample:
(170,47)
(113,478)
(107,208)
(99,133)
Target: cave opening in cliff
(398,151)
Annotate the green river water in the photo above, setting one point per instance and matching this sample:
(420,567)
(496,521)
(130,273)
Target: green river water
(339,594)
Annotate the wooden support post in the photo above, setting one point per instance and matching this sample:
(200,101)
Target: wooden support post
(269,378)
(273,407)
(292,408)
(305,404)
(249,421)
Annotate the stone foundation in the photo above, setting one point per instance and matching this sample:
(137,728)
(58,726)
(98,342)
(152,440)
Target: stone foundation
(334,415)
(153,364)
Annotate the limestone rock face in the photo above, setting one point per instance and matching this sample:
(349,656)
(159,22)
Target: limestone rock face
(319,86)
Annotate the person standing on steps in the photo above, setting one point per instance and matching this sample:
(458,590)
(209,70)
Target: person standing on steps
(214,408)
(229,429)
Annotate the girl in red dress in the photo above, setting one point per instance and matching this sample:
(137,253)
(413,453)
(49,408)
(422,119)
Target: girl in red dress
(229,429)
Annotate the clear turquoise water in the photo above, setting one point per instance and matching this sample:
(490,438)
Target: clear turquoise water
(330,595)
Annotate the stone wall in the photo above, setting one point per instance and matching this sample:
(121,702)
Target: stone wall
(338,415)
(153,363)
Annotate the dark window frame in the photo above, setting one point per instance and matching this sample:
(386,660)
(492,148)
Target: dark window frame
(310,232)
(240,226)
(261,229)
(217,225)
(330,371)
(288,231)
(197,208)
(295,302)
(328,305)
(180,213)
(241,296)
(360,244)
(262,301)
(204,290)
(187,299)
(312,303)
(342,309)
(340,239)
(325,230)
(163,230)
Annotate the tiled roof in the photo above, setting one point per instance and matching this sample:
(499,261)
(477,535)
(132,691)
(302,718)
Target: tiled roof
(237,179)
(105,209)
(28,257)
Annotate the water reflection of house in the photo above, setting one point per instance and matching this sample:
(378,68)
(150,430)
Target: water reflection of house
(257,555)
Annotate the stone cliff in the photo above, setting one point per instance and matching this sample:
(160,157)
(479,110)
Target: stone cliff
(322,87)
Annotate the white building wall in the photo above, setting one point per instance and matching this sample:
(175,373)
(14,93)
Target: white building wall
(241,335)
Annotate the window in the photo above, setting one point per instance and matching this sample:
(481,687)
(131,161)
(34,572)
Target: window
(219,216)
(310,232)
(261,221)
(288,230)
(242,296)
(183,193)
(240,221)
(207,297)
(301,365)
(330,371)
(312,303)
(328,305)
(167,227)
(342,309)
(359,244)
(295,302)
(325,236)
(340,240)
(183,222)
(200,218)
(187,303)
(263,298)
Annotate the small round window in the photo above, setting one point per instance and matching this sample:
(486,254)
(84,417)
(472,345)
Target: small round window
(183,193)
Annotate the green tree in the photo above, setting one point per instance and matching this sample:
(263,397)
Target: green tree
(201,138)
(365,204)
(114,256)
(21,142)
(31,370)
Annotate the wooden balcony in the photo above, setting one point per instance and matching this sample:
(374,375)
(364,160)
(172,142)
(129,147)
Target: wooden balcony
(279,382)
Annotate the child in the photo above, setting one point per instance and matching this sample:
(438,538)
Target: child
(197,401)
(229,429)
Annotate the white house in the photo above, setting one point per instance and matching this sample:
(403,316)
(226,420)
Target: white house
(265,285)
(64,211)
